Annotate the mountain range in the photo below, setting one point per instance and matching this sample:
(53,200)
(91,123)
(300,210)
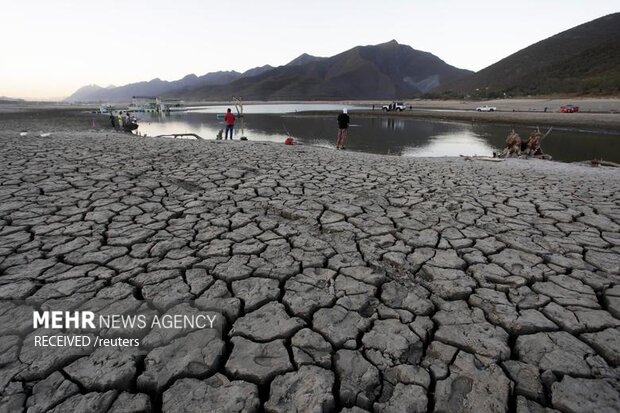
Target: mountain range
(385,71)
(158,87)
(5,99)
(581,60)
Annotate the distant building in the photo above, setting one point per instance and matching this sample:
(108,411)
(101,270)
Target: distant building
(143,104)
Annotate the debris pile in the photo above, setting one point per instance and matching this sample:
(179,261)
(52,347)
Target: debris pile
(530,147)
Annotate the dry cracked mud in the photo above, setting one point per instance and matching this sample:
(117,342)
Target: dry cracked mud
(349,282)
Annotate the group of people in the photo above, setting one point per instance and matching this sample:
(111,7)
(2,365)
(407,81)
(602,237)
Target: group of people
(517,146)
(123,122)
(343,125)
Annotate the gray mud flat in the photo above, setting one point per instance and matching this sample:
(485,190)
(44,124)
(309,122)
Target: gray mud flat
(350,282)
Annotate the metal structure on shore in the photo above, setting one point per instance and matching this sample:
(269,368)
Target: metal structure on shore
(238,102)
(148,104)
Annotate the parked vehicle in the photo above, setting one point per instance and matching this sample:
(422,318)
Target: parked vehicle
(486,108)
(399,106)
(569,109)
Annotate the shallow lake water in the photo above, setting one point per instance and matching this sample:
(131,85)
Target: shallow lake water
(381,134)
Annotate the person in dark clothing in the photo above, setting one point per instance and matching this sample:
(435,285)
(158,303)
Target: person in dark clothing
(112,120)
(343,124)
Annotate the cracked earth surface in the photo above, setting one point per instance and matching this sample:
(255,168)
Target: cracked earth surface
(349,282)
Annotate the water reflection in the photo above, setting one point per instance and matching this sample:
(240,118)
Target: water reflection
(452,144)
(278,107)
(393,124)
(382,135)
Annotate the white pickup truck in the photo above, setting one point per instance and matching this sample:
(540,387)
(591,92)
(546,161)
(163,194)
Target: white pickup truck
(486,108)
(399,106)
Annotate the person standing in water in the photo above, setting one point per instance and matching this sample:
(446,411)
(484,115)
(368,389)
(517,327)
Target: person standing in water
(343,124)
(119,117)
(229,119)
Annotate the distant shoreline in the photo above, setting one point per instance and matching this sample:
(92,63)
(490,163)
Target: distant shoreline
(594,114)
(591,121)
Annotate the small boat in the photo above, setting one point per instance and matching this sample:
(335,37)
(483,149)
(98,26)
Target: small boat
(128,127)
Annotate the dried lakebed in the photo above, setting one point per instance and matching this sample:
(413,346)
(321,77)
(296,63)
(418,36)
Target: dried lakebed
(346,281)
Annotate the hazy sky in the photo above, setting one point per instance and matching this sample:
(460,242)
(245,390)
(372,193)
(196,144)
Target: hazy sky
(50,48)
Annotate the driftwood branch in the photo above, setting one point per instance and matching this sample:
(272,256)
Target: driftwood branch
(481,158)
(597,162)
(174,135)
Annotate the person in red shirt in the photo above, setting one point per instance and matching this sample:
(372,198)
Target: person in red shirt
(229,119)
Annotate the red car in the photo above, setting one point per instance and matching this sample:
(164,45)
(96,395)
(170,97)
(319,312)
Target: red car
(569,109)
